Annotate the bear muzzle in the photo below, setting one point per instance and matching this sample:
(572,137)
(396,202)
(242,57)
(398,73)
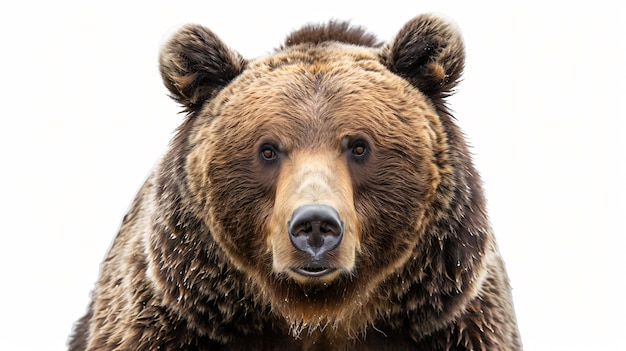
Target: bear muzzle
(315,230)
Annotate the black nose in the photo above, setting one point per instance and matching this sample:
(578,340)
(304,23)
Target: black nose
(315,229)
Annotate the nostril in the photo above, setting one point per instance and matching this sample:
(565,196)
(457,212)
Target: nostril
(303,229)
(326,228)
(315,229)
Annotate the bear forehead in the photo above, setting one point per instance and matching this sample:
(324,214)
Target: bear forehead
(332,80)
(322,58)
(320,92)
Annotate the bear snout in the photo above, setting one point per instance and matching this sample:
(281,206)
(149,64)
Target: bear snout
(315,229)
(313,233)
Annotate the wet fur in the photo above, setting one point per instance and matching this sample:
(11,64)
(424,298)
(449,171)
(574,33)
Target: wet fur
(191,268)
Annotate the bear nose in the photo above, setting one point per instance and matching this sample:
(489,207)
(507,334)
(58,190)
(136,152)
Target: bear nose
(315,229)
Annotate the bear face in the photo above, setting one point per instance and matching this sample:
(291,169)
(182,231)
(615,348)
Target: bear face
(319,197)
(316,124)
(340,133)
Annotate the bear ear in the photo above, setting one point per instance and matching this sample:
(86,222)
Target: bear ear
(195,64)
(429,53)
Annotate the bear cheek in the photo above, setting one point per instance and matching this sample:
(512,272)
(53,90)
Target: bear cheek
(213,179)
(197,172)
(390,233)
(313,179)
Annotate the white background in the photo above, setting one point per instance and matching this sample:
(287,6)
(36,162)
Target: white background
(84,117)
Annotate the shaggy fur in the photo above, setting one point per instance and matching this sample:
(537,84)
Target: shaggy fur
(203,260)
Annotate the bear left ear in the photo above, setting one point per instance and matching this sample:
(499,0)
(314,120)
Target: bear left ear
(195,64)
(429,53)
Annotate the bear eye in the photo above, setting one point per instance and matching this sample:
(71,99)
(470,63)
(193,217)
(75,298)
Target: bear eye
(268,153)
(359,149)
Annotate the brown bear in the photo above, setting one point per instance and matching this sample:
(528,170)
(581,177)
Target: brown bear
(317,198)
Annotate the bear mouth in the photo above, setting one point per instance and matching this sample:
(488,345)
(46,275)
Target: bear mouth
(314,272)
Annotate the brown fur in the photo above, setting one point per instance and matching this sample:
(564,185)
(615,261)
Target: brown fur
(332,31)
(203,261)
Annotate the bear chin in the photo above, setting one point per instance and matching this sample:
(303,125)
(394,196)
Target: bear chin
(314,275)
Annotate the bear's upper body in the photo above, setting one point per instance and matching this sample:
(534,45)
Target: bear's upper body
(317,198)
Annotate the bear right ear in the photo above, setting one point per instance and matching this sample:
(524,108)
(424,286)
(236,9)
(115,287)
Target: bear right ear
(195,64)
(429,53)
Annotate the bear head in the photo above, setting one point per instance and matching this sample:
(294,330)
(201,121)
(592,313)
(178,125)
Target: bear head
(327,175)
